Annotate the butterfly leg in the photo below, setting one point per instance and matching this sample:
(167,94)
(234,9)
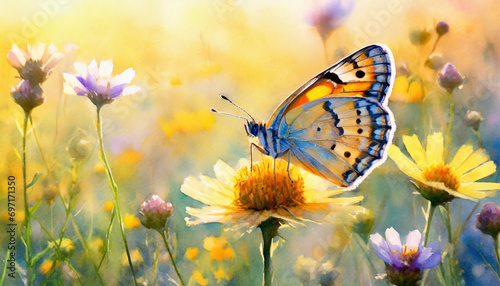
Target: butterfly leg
(287,150)
(262,150)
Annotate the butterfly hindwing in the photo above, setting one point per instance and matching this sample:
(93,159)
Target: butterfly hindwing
(339,138)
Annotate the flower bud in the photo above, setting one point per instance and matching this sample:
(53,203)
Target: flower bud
(449,78)
(442,28)
(473,119)
(80,146)
(327,275)
(435,61)
(67,246)
(488,220)
(304,269)
(26,96)
(419,37)
(155,213)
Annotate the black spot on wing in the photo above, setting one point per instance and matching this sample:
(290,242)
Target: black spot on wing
(334,77)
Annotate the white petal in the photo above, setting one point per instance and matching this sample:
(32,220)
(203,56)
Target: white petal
(413,239)
(51,49)
(16,57)
(81,69)
(131,90)
(393,240)
(124,77)
(93,71)
(74,83)
(36,52)
(106,68)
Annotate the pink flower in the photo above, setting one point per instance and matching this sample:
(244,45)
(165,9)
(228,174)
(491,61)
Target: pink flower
(97,83)
(36,63)
(328,15)
(155,213)
(26,96)
(449,78)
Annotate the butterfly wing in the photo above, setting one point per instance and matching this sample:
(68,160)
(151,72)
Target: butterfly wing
(338,125)
(368,72)
(341,139)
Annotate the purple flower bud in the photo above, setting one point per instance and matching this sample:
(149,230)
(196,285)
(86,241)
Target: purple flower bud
(488,220)
(442,28)
(26,96)
(155,213)
(328,15)
(449,78)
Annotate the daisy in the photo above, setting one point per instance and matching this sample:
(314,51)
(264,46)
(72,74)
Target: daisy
(97,83)
(36,63)
(441,182)
(268,197)
(245,200)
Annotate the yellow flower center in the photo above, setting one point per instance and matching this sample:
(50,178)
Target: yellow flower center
(268,186)
(442,173)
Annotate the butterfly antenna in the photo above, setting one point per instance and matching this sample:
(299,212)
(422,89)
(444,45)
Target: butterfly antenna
(241,117)
(228,100)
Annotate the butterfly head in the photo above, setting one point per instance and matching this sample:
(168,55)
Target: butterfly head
(252,128)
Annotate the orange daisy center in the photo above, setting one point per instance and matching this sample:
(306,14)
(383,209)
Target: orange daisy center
(268,186)
(442,173)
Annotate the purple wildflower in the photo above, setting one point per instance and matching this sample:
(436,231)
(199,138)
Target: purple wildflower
(97,83)
(329,15)
(405,262)
(488,220)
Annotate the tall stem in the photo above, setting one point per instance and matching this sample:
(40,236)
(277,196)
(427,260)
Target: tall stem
(269,230)
(496,252)
(430,214)
(171,256)
(26,208)
(448,129)
(114,188)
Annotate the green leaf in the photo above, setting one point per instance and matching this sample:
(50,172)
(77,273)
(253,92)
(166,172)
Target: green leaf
(33,181)
(39,255)
(33,209)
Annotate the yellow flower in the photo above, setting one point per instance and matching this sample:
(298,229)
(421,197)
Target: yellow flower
(199,278)
(191,253)
(219,274)
(407,91)
(108,206)
(130,221)
(175,81)
(96,244)
(439,182)
(46,267)
(218,247)
(135,256)
(246,200)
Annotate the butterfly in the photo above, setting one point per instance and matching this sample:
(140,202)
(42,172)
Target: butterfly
(337,125)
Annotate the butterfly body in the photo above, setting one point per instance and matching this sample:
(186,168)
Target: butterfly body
(337,125)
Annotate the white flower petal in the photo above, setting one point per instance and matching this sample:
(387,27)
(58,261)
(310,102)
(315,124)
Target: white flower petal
(36,52)
(81,69)
(131,90)
(16,57)
(393,240)
(93,70)
(106,68)
(413,239)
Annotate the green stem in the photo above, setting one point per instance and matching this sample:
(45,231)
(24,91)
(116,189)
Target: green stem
(435,45)
(162,233)
(448,129)
(363,247)
(496,252)
(430,212)
(114,188)
(26,208)
(476,131)
(269,230)
(451,257)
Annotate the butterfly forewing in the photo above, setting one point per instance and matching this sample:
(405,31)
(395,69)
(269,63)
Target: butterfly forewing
(367,72)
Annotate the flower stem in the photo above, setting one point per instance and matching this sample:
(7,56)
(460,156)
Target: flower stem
(448,129)
(476,131)
(430,213)
(435,45)
(496,252)
(269,230)
(114,188)
(171,256)
(26,208)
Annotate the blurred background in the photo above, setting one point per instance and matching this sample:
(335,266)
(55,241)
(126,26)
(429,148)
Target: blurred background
(186,53)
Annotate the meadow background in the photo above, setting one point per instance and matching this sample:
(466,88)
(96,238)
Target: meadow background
(185,54)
